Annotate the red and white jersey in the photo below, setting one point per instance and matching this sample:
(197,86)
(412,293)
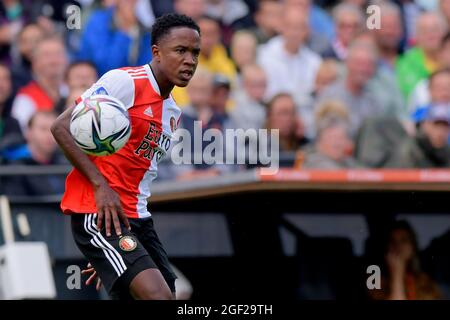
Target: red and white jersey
(131,170)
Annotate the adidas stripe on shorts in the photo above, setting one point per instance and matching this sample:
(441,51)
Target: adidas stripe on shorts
(118,260)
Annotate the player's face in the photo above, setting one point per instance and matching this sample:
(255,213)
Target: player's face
(178,55)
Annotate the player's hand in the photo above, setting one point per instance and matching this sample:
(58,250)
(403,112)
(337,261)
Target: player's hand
(109,209)
(92,277)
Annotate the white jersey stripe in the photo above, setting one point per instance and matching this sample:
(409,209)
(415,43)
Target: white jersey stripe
(112,261)
(152,79)
(135,70)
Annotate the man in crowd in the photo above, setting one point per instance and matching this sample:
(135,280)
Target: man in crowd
(419,62)
(49,62)
(429,147)
(10,134)
(41,149)
(290,66)
(114,38)
(352,90)
(249,111)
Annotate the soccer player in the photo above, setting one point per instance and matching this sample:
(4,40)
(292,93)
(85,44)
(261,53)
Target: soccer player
(107,196)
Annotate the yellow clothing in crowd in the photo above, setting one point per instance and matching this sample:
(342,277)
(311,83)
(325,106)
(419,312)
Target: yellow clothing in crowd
(217,62)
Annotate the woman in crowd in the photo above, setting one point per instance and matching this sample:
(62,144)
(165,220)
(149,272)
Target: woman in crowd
(403,278)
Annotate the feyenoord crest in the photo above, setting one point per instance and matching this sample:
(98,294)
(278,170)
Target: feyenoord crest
(127,243)
(173,124)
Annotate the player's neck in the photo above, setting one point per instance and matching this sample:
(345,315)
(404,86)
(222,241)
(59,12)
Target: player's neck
(165,86)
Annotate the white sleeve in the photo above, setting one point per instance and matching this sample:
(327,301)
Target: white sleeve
(116,83)
(22,110)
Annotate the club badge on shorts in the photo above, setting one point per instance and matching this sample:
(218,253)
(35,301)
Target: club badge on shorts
(127,243)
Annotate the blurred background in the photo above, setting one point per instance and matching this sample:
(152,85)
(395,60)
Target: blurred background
(361,99)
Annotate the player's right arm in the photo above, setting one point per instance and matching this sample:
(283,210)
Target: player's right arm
(109,209)
(107,201)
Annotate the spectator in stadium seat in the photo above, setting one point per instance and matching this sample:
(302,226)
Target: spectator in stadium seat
(232,14)
(333,147)
(27,39)
(145,10)
(327,74)
(114,38)
(192,8)
(282,116)
(389,36)
(249,111)
(13,15)
(200,89)
(243,49)
(402,276)
(352,90)
(349,21)
(49,63)
(419,62)
(421,94)
(81,75)
(411,11)
(378,139)
(317,39)
(41,149)
(438,92)
(268,19)
(69,101)
(429,148)
(213,56)
(289,64)
(383,84)
(10,133)
(319,20)
(220,99)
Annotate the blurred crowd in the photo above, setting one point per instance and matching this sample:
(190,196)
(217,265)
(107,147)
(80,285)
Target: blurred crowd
(343,91)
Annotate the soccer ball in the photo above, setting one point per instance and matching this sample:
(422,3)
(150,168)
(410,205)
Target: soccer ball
(100,125)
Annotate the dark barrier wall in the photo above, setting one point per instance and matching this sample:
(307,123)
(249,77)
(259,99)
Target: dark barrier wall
(245,238)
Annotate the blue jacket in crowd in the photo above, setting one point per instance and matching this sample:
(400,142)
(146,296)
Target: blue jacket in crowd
(108,47)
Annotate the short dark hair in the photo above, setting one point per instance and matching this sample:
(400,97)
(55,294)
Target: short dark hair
(48,113)
(80,63)
(275,98)
(165,23)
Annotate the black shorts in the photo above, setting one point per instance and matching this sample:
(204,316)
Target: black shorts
(118,260)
